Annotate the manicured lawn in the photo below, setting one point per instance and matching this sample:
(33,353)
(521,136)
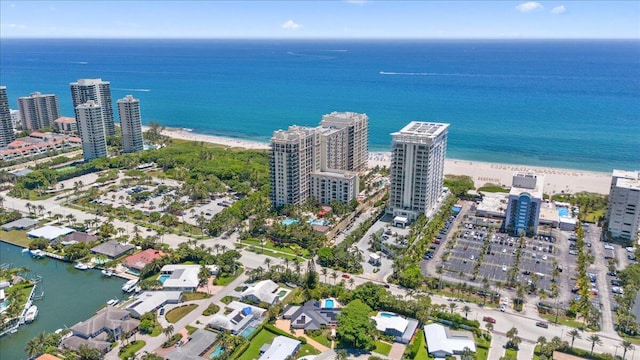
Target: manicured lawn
(270,245)
(482,348)
(322,339)
(261,338)
(493,188)
(227,299)
(191,329)
(224,280)
(195,296)
(511,352)
(382,347)
(563,320)
(157,330)
(268,252)
(16,237)
(174,315)
(305,350)
(130,350)
(418,340)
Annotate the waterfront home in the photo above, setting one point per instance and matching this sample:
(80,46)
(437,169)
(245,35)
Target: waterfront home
(50,232)
(199,343)
(182,277)
(138,260)
(281,347)
(78,237)
(313,315)
(99,331)
(47,357)
(265,291)
(149,301)
(236,317)
(20,224)
(443,342)
(112,249)
(401,328)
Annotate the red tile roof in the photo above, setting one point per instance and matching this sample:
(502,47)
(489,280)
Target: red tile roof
(139,260)
(65,120)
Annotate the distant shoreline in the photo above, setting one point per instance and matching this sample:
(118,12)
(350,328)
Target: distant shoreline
(557,180)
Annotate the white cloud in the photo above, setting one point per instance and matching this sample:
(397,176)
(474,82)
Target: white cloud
(558,10)
(290,24)
(529,6)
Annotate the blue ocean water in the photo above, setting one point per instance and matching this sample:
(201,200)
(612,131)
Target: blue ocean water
(572,104)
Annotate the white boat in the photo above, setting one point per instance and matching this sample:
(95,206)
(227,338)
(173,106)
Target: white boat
(107,272)
(81,266)
(130,285)
(25,250)
(31,314)
(113,302)
(37,253)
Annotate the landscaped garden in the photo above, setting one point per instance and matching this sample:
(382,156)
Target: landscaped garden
(174,315)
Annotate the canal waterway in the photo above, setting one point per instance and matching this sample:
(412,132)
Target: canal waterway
(70,296)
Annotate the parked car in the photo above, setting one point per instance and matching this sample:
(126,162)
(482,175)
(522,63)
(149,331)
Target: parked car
(345,276)
(161,311)
(489,319)
(503,308)
(542,324)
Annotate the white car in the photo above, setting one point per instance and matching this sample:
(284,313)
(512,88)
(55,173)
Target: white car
(505,301)
(608,247)
(504,267)
(503,308)
(544,257)
(504,250)
(472,257)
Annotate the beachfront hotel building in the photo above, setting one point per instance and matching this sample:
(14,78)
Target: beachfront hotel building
(623,210)
(38,110)
(417,170)
(91,129)
(347,140)
(319,162)
(100,92)
(523,206)
(294,157)
(130,123)
(6,128)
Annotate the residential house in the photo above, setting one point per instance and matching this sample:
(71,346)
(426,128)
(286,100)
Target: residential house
(199,343)
(236,317)
(100,330)
(149,301)
(138,260)
(182,277)
(265,291)
(442,342)
(311,316)
(281,348)
(78,237)
(112,249)
(402,329)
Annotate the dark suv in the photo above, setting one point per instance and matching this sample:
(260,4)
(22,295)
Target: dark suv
(542,324)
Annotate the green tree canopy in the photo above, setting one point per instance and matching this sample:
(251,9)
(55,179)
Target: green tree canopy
(355,326)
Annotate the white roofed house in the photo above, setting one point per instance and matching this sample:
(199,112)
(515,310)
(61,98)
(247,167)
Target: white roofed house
(150,301)
(265,291)
(237,317)
(402,329)
(99,331)
(442,342)
(183,277)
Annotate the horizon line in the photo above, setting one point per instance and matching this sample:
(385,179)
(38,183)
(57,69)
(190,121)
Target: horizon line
(318,38)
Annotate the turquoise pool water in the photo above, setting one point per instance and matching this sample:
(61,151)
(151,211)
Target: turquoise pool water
(287,222)
(328,304)
(217,352)
(249,329)
(317,222)
(4,305)
(387,315)
(163,278)
(563,212)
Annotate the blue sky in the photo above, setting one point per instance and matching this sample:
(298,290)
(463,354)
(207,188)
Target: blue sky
(320,19)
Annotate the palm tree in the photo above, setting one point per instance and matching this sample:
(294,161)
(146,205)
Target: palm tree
(351,282)
(489,326)
(542,340)
(626,346)
(466,309)
(595,339)
(168,331)
(324,272)
(267,262)
(34,347)
(574,334)
(341,354)
(452,306)
(334,276)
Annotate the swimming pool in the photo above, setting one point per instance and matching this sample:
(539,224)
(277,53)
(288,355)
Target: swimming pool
(287,222)
(563,212)
(217,352)
(317,222)
(163,278)
(328,304)
(387,315)
(250,329)
(4,305)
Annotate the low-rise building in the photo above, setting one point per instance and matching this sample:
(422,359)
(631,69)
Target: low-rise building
(101,330)
(50,232)
(179,277)
(37,143)
(140,259)
(66,125)
(78,237)
(237,317)
(402,329)
(112,249)
(196,347)
(152,300)
(281,347)
(443,342)
(312,315)
(20,224)
(265,291)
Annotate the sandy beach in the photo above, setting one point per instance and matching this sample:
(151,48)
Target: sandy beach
(556,180)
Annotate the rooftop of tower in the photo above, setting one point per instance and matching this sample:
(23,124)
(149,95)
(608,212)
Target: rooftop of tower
(421,128)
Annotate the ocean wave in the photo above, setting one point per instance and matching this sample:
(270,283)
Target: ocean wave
(137,90)
(79,62)
(521,76)
(311,56)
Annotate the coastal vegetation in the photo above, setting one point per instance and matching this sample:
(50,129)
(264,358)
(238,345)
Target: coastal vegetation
(592,206)
(174,315)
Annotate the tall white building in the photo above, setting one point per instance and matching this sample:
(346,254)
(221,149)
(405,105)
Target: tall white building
(294,157)
(130,123)
(6,128)
(91,129)
(525,200)
(356,129)
(417,169)
(100,92)
(38,110)
(623,211)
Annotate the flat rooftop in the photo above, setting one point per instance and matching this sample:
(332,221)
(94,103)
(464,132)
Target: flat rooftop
(293,134)
(626,174)
(625,183)
(423,129)
(528,182)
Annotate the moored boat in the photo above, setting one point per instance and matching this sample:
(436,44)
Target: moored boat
(81,266)
(130,285)
(31,314)
(113,302)
(107,272)
(37,253)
